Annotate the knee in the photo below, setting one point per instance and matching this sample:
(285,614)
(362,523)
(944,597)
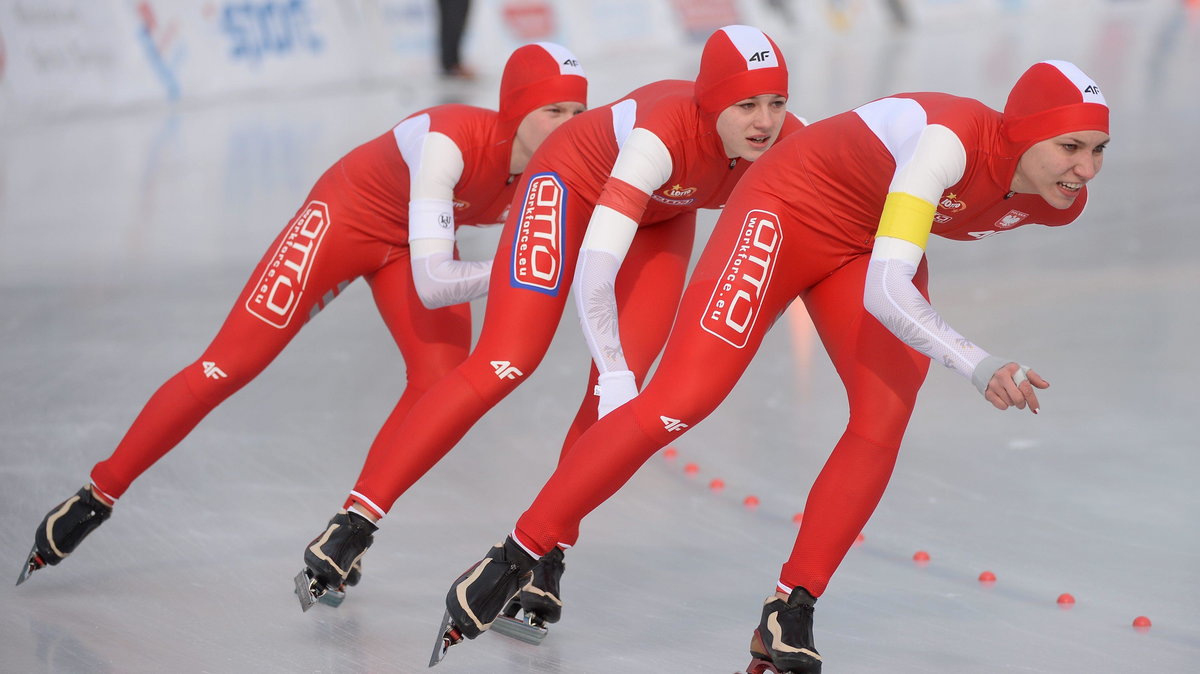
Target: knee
(882,427)
(423,372)
(494,378)
(667,412)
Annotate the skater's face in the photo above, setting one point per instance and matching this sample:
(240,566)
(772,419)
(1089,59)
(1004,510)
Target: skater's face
(1057,168)
(750,126)
(537,126)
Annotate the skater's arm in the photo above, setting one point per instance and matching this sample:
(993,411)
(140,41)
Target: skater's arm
(890,295)
(643,164)
(439,278)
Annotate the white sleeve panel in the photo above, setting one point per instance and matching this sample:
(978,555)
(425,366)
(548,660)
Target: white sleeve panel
(892,298)
(435,165)
(643,161)
(431,219)
(605,244)
(441,281)
(938,161)
(624,116)
(596,302)
(929,157)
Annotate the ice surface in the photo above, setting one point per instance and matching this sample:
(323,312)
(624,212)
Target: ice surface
(124,240)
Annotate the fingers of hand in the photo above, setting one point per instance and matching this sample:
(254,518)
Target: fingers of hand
(1037,380)
(1030,397)
(993,398)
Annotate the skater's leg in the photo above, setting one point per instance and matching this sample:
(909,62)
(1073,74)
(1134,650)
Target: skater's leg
(700,364)
(519,323)
(647,289)
(263,320)
(882,376)
(432,341)
(268,313)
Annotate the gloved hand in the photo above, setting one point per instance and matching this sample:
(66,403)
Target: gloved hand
(615,389)
(1008,384)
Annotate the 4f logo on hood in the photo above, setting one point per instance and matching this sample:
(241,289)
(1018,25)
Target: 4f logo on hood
(760,57)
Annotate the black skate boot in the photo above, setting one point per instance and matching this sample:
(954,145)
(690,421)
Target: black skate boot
(332,557)
(783,641)
(335,596)
(63,529)
(538,602)
(480,593)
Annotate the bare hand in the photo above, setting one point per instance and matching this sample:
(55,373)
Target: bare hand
(1013,386)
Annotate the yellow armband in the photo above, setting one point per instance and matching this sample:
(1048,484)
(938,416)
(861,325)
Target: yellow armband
(906,217)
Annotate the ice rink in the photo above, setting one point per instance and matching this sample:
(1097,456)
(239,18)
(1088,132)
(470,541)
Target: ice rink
(124,239)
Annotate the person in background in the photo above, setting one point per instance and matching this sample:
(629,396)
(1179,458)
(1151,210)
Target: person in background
(452,22)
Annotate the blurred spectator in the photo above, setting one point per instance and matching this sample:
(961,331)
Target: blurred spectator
(452,21)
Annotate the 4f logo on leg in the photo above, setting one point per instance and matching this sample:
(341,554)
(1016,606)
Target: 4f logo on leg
(212,371)
(506,370)
(672,425)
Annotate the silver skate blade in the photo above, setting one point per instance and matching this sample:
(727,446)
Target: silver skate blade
(32,563)
(305,591)
(448,635)
(521,630)
(332,597)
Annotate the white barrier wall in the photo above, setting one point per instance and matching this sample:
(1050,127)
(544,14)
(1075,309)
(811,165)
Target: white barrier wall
(65,57)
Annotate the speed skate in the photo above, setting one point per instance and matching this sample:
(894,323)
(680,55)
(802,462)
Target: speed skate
(448,635)
(32,563)
(527,627)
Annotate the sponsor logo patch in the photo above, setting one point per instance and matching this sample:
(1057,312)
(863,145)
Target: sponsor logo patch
(282,283)
(537,246)
(735,302)
(211,371)
(951,203)
(675,195)
(672,425)
(506,370)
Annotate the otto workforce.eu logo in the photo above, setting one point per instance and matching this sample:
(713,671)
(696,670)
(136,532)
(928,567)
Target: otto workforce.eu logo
(735,302)
(278,292)
(537,245)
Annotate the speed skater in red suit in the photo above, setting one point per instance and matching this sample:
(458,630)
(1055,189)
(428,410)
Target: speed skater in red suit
(837,215)
(610,201)
(388,212)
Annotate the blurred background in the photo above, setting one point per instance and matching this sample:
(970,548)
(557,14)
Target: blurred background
(151,150)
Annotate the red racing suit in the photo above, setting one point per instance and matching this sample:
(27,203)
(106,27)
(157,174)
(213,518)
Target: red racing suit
(802,224)
(355,222)
(535,261)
